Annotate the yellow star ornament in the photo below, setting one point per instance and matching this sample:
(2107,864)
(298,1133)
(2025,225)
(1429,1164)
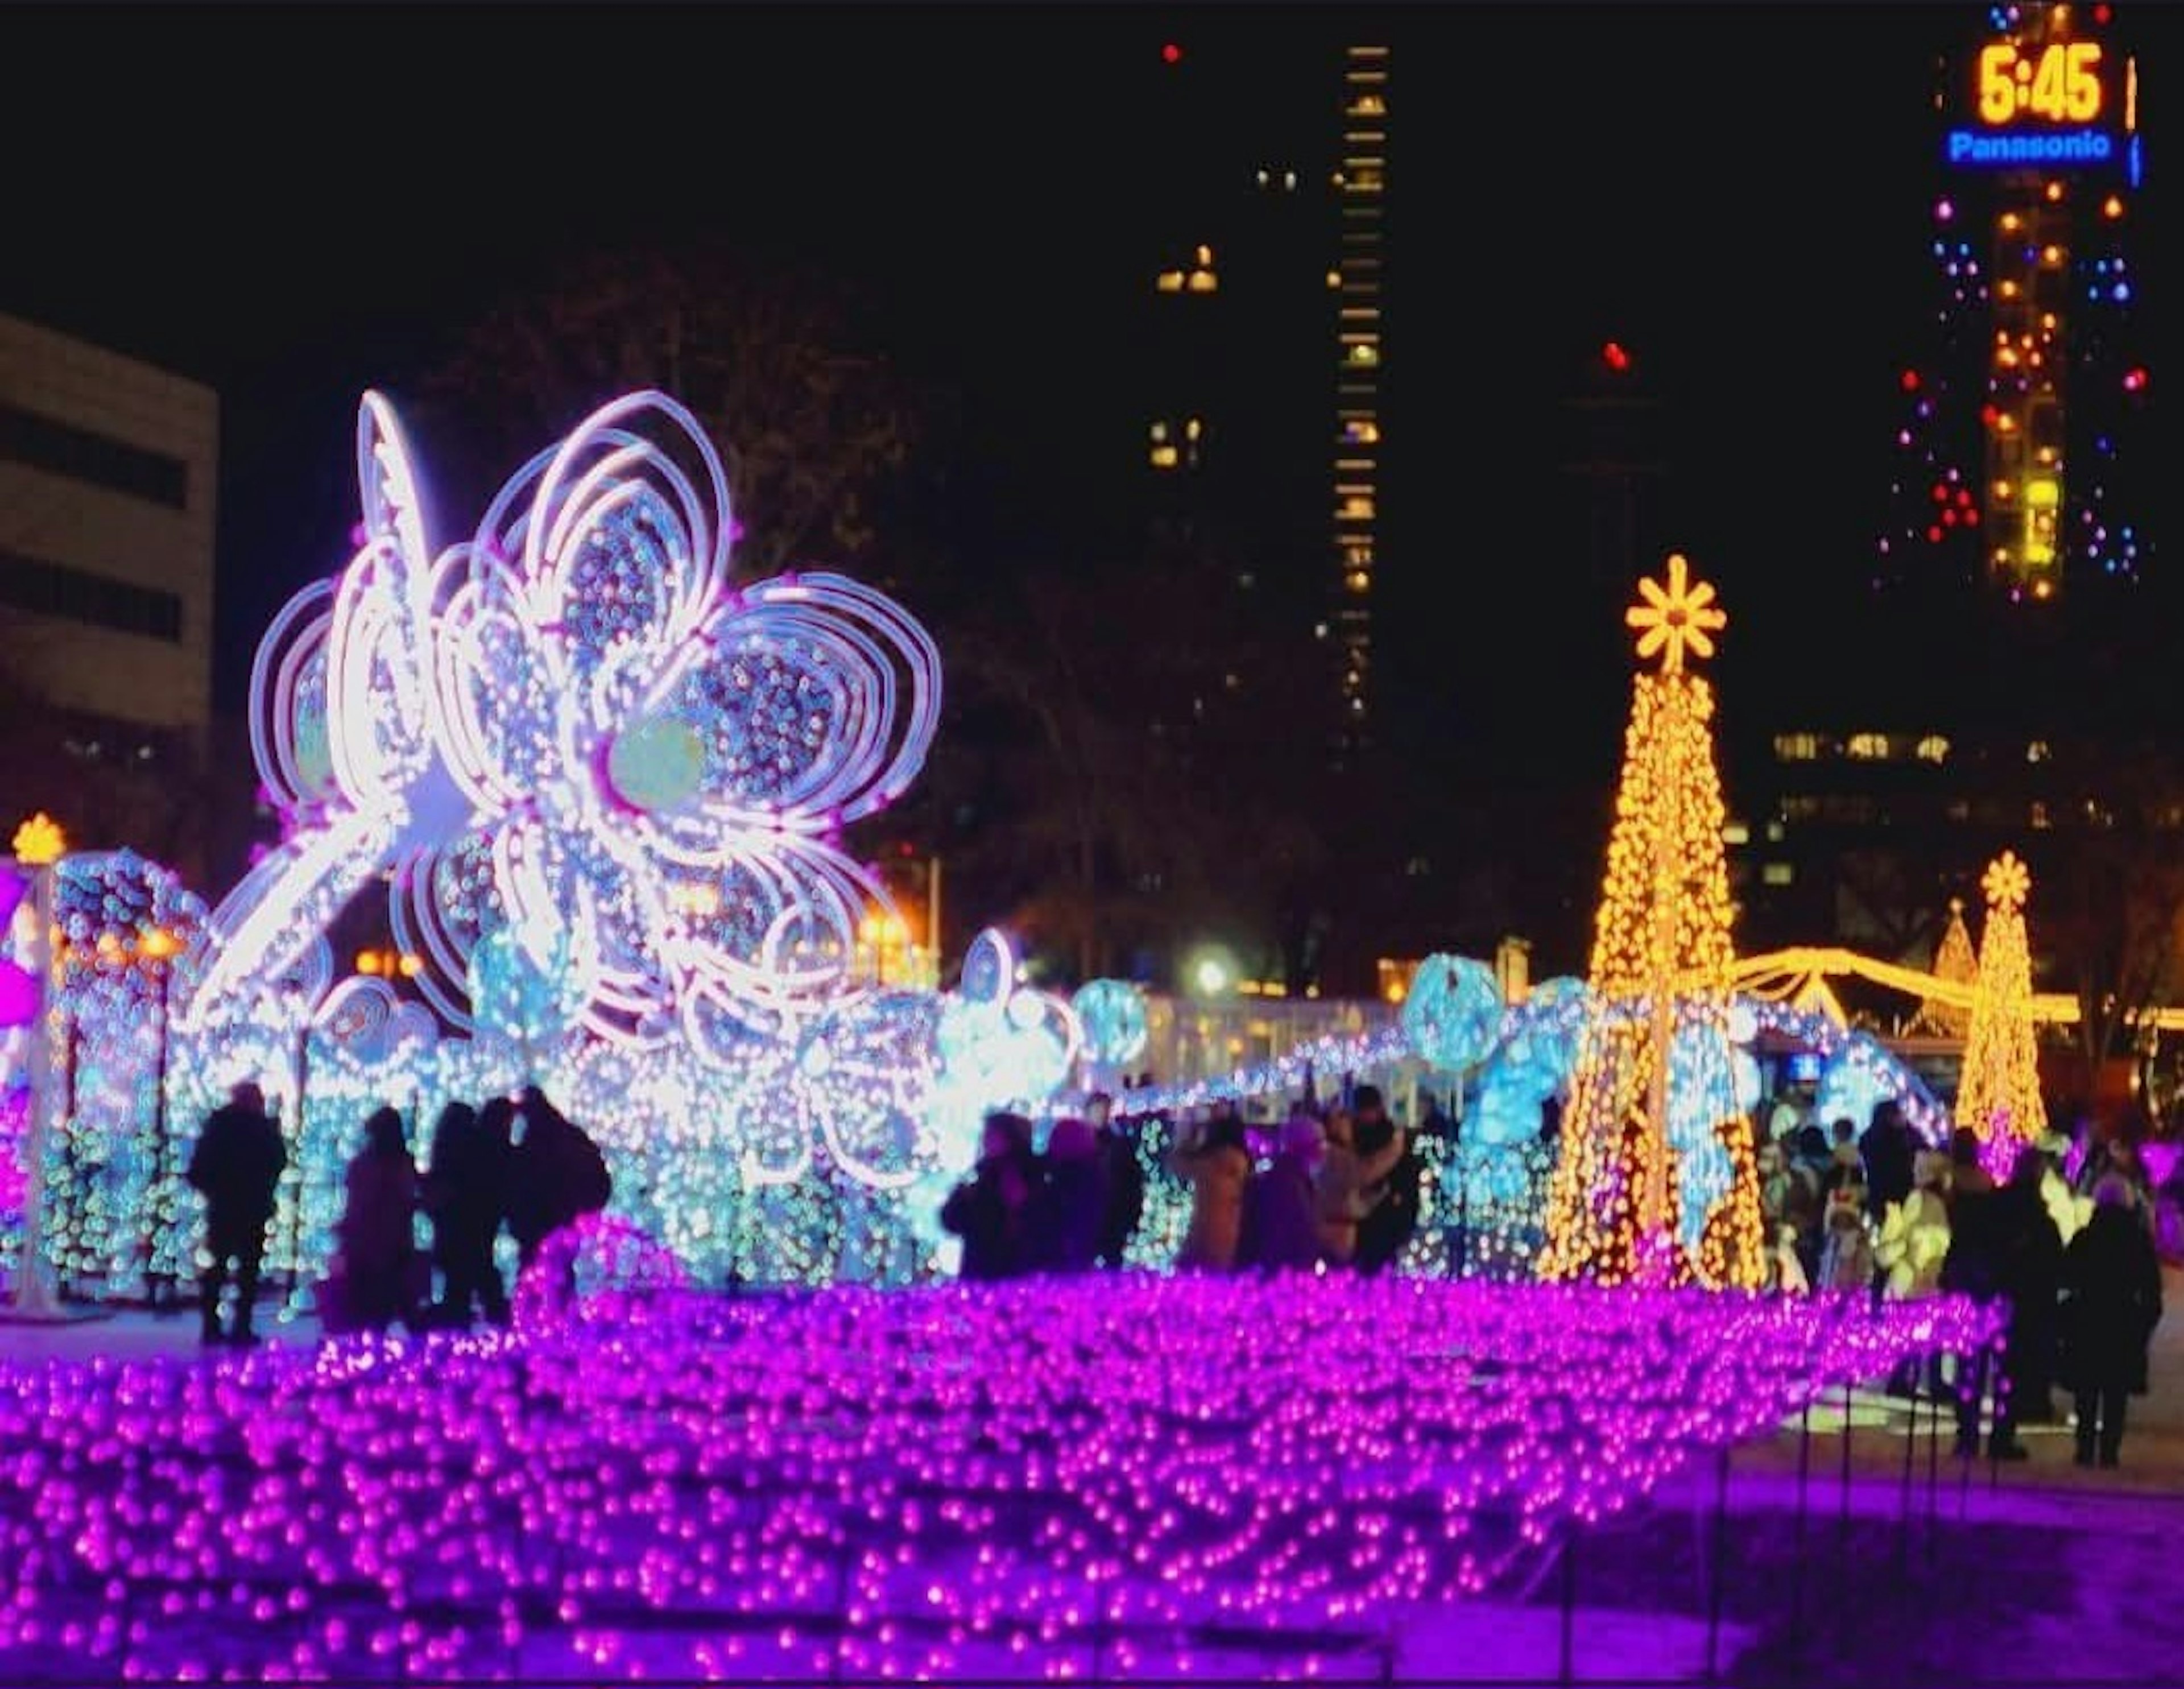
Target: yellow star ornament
(40,841)
(1681,615)
(2007,882)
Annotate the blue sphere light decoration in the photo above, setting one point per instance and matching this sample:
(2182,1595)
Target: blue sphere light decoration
(1453,1013)
(1113,1015)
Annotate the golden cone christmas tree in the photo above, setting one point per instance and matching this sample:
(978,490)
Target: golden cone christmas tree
(1655,1182)
(1998,1091)
(1954,961)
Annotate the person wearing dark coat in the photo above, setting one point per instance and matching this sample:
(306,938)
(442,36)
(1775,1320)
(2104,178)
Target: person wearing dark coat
(1889,1150)
(1124,1178)
(2003,1245)
(992,1210)
(236,1165)
(1388,1225)
(378,1230)
(465,1193)
(1071,1201)
(2112,1278)
(556,1174)
(1281,1230)
(2036,1289)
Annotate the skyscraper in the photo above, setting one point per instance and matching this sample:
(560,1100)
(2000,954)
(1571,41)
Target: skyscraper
(1266,343)
(2010,643)
(1361,265)
(2021,454)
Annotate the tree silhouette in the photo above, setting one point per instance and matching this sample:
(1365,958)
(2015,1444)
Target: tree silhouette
(782,362)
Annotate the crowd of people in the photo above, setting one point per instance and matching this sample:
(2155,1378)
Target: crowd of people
(2066,1243)
(516,1162)
(1337,1187)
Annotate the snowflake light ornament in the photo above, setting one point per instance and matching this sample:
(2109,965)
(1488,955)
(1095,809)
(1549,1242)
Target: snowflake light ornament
(573,729)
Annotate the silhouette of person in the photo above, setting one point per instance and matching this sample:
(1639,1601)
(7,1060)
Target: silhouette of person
(378,1229)
(556,1174)
(464,1192)
(236,1165)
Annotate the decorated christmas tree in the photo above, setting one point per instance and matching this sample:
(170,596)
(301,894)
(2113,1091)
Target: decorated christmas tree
(1955,961)
(1998,1092)
(1655,1181)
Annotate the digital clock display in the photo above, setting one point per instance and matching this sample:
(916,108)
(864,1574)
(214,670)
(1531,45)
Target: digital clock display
(2041,101)
(2058,83)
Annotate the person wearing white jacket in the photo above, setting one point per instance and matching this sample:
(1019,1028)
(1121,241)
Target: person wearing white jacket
(1913,1241)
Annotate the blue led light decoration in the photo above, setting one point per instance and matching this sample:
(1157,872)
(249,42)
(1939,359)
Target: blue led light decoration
(1112,1013)
(1452,1013)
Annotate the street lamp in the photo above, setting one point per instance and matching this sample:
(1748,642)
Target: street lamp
(156,948)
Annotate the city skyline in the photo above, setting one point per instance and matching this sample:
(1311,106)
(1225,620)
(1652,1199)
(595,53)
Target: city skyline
(1514,266)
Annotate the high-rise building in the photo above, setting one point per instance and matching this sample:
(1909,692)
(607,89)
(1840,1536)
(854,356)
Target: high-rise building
(1266,343)
(2021,449)
(1361,265)
(2010,645)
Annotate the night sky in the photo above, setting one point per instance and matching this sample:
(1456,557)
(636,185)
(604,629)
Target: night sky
(293,202)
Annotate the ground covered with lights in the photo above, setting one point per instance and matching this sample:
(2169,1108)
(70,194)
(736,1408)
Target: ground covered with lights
(1127,1478)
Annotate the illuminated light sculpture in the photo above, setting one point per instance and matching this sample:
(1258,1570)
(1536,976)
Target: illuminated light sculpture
(20,1000)
(574,720)
(606,786)
(1655,1180)
(1453,1012)
(1112,1013)
(1998,1096)
(122,927)
(1956,961)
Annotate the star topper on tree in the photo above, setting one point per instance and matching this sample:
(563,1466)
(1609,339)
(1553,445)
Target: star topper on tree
(2007,881)
(1668,619)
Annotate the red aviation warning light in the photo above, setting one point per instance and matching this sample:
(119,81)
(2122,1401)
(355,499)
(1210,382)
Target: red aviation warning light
(1615,357)
(1171,54)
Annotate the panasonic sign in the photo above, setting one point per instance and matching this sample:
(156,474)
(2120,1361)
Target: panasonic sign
(2070,147)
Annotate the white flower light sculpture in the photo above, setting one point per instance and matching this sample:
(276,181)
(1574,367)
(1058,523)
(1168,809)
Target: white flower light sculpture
(573,728)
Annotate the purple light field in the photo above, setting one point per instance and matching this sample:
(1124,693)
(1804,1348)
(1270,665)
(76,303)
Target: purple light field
(1127,1478)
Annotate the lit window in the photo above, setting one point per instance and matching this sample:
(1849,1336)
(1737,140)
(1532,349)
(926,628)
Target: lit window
(1163,457)
(1361,433)
(1359,580)
(1933,749)
(1204,281)
(1364,354)
(1289,178)
(1193,429)
(1774,831)
(2037,751)
(1796,747)
(1868,747)
(1335,278)
(1319,630)
(1356,511)
(1736,833)
(1204,256)
(1778,873)
(1159,430)
(2039,817)
(1170,281)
